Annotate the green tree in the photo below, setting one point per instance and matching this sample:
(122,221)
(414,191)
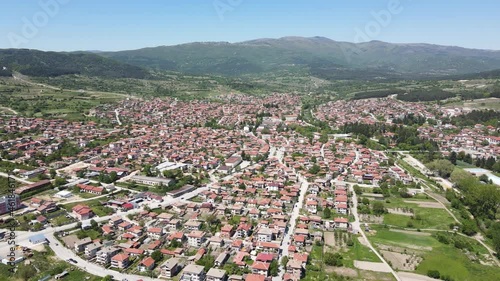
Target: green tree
(113,176)
(274,267)
(157,256)
(358,190)
(207,261)
(453,158)
(443,167)
(327,213)
(284,261)
(333,259)
(378,208)
(314,169)
(52,173)
(494,233)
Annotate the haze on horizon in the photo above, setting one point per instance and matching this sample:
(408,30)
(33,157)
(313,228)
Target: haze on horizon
(70,25)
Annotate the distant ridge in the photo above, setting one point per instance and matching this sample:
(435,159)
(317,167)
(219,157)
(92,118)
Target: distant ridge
(321,56)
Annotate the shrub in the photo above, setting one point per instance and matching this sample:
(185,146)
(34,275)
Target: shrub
(433,274)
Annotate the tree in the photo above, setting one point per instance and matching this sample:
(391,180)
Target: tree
(453,158)
(37,226)
(433,274)
(93,224)
(469,227)
(468,158)
(490,162)
(274,267)
(495,236)
(314,169)
(358,190)
(284,261)
(484,178)
(442,166)
(113,176)
(327,213)
(52,173)
(207,261)
(378,208)
(157,256)
(333,259)
(59,181)
(461,155)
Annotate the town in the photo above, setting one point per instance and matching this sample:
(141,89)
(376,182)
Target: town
(237,187)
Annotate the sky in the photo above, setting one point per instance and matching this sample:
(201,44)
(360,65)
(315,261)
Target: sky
(110,25)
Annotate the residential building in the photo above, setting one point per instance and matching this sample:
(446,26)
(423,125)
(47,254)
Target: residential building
(215,274)
(193,272)
(120,261)
(170,268)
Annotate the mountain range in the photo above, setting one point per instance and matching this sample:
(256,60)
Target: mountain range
(318,56)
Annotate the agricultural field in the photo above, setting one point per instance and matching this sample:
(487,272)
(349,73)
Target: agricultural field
(479,104)
(33,100)
(462,260)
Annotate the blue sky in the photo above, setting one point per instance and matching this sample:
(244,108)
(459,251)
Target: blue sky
(124,24)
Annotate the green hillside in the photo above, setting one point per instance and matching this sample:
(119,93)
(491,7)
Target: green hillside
(50,64)
(320,56)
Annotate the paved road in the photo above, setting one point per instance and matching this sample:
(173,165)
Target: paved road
(293,217)
(2,174)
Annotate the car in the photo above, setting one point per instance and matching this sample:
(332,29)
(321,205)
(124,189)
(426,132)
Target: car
(72,260)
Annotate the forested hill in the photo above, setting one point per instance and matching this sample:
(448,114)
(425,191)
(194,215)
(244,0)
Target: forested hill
(49,64)
(319,56)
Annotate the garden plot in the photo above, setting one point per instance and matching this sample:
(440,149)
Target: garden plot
(401,211)
(411,232)
(402,261)
(371,219)
(329,238)
(402,258)
(426,204)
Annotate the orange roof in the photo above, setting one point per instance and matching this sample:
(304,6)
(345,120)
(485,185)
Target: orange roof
(120,257)
(149,261)
(255,277)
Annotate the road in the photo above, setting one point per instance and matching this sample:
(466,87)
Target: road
(5,175)
(22,238)
(304,185)
(356,226)
(117,114)
(9,109)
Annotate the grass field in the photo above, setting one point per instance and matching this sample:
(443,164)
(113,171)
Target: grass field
(447,259)
(452,262)
(359,252)
(429,219)
(399,239)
